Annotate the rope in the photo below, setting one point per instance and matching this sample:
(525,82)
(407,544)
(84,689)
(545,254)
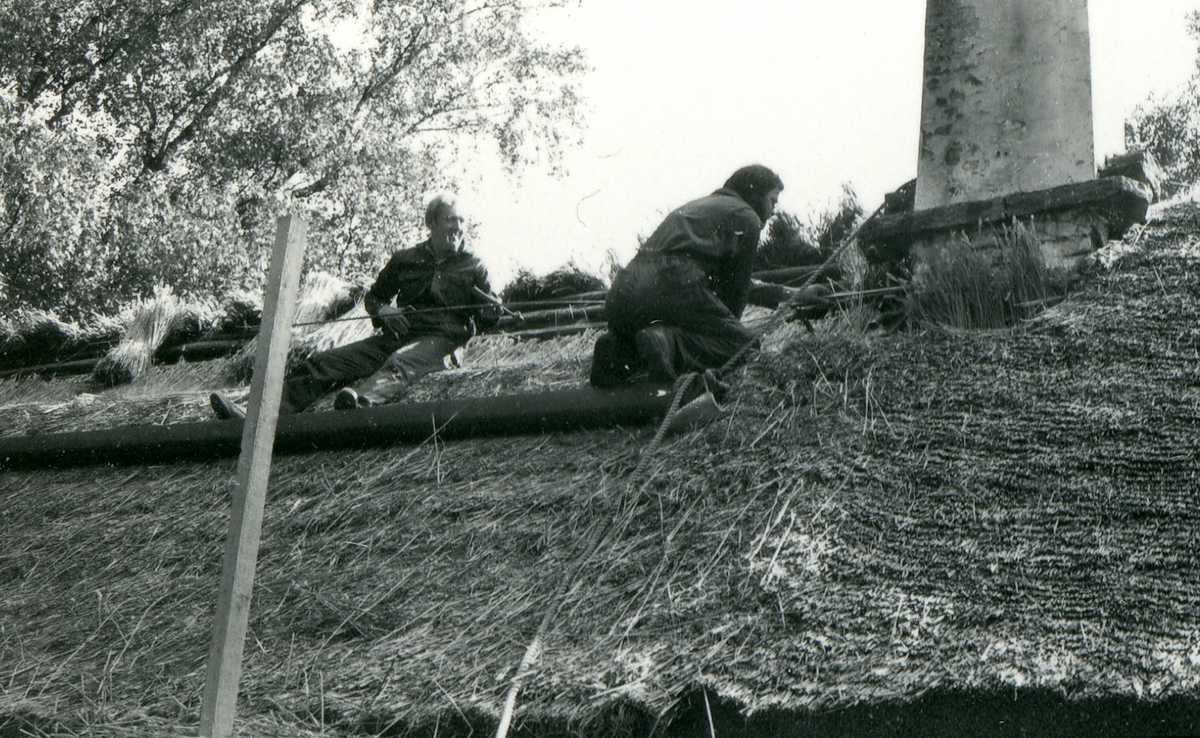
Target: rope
(535,649)
(681,387)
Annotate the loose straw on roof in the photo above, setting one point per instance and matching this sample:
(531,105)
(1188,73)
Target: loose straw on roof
(535,646)
(682,384)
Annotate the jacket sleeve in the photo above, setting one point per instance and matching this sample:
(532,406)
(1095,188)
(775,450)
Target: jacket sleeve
(385,288)
(488,314)
(737,259)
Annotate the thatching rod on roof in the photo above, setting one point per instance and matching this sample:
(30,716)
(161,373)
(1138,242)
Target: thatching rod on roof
(65,368)
(546,412)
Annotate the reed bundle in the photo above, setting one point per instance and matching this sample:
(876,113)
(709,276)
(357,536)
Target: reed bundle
(38,336)
(149,324)
(993,284)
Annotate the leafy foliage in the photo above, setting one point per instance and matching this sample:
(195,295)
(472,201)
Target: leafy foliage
(1170,130)
(790,242)
(148,142)
(563,282)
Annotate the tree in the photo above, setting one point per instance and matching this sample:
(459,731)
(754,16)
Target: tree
(189,124)
(789,242)
(1170,129)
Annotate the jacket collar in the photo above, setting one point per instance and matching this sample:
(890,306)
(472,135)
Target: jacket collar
(426,247)
(729,193)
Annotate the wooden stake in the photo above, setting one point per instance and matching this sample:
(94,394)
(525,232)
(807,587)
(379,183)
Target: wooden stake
(254,468)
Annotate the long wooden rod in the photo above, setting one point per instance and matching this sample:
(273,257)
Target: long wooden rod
(219,706)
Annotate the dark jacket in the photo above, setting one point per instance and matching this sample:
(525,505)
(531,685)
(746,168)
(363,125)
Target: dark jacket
(441,292)
(720,234)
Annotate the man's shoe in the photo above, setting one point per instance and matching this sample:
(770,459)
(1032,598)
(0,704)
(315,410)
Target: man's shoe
(657,352)
(610,362)
(224,408)
(346,399)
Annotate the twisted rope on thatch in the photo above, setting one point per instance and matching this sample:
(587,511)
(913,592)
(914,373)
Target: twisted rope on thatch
(534,650)
(681,386)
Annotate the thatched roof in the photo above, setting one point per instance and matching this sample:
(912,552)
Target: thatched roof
(886,530)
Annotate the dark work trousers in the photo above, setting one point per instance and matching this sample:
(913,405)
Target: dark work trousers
(406,365)
(387,363)
(674,291)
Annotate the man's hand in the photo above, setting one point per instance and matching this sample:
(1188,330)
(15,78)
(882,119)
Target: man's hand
(490,311)
(810,302)
(392,320)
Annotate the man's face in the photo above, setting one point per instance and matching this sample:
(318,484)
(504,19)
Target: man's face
(769,202)
(447,228)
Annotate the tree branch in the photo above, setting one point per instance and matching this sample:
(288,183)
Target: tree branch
(158,161)
(87,38)
(403,59)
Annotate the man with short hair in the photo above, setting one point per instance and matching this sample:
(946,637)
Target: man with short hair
(677,306)
(428,301)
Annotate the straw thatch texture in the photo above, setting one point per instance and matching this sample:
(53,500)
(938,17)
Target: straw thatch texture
(879,519)
(38,337)
(148,326)
(329,312)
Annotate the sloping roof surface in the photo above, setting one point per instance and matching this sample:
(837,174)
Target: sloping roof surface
(876,519)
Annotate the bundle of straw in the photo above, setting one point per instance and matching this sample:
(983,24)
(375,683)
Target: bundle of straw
(323,299)
(240,310)
(42,333)
(984,285)
(149,323)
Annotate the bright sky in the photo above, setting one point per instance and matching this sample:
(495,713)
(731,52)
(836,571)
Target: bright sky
(824,93)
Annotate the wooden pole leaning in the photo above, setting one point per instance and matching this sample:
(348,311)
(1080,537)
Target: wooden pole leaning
(254,468)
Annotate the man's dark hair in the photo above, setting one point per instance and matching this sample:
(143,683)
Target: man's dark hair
(438,204)
(753,183)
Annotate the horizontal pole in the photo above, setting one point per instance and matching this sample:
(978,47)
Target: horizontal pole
(198,351)
(61,369)
(548,319)
(786,275)
(547,412)
(558,302)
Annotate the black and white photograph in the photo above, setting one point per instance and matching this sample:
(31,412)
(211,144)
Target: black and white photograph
(599,368)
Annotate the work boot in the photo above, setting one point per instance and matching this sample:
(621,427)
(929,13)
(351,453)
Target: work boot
(656,350)
(224,408)
(345,399)
(610,362)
